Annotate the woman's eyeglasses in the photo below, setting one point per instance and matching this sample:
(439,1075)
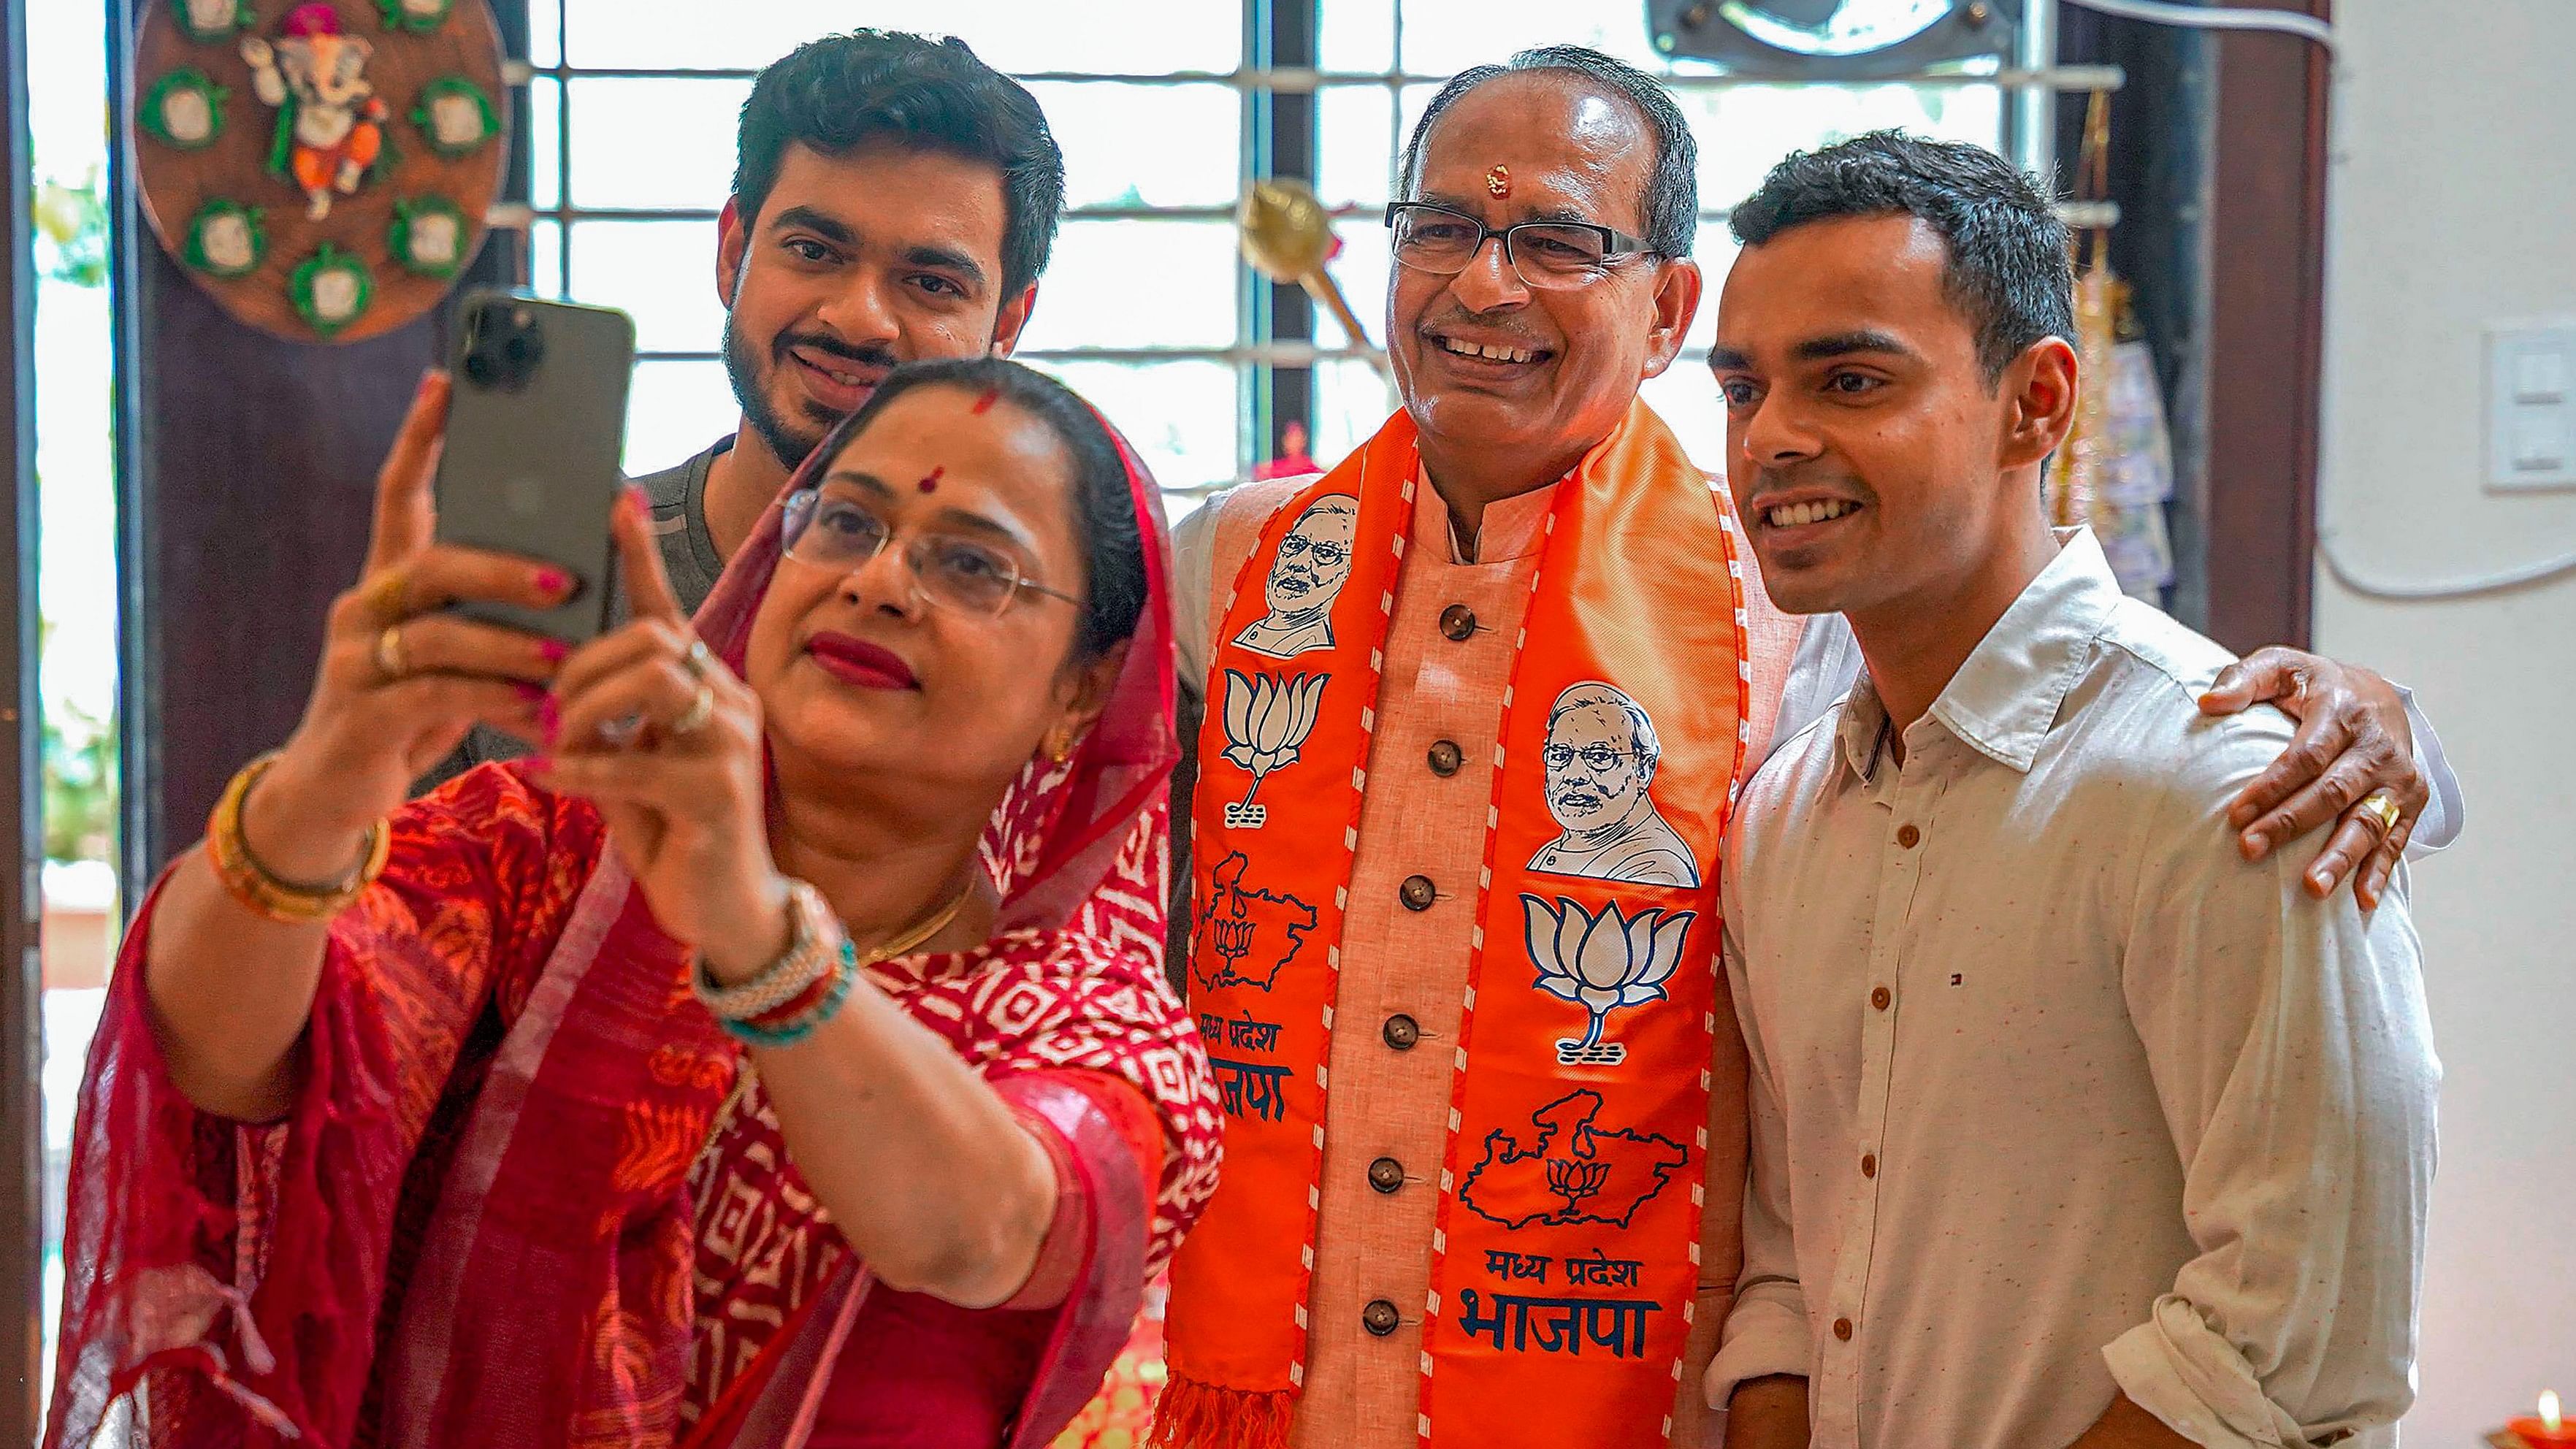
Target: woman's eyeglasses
(951,572)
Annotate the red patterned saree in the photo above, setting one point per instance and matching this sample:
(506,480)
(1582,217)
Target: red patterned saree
(529,1195)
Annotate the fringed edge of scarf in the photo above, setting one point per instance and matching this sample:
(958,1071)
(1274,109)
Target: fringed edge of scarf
(1195,1415)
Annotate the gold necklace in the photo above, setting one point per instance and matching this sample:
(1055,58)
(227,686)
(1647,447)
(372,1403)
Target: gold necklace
(909,941)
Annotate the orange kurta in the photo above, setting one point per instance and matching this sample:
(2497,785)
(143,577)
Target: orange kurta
(1401,967)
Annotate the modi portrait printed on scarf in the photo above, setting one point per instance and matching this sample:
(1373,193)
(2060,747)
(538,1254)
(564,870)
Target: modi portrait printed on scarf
(1600,756)
(1306,576)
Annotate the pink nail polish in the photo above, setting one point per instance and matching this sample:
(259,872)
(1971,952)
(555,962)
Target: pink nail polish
(530,693)
(541,763)
(553,651)
(552,582)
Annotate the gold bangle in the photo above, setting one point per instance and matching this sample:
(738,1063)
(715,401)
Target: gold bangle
(262,892)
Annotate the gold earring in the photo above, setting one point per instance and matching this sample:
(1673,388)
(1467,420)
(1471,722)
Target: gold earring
(1059,744)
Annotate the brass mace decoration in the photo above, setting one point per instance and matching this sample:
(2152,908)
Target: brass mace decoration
(1288,237)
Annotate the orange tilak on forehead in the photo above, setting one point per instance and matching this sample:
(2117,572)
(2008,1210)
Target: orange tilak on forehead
(985,403)
(1498,181)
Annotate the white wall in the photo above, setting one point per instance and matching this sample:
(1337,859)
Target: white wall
(2453,203)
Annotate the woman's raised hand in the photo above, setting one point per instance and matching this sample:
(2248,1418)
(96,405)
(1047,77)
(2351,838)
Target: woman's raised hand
(400,683)
(667,743)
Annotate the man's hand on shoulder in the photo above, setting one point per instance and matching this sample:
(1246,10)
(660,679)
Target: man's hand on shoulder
(2353,740)
(1768,1413)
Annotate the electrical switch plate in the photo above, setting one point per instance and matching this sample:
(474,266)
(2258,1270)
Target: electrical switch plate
(2531,406)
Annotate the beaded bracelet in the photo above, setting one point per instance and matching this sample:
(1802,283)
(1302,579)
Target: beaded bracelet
(806,961)
(806,985)
(796,1023)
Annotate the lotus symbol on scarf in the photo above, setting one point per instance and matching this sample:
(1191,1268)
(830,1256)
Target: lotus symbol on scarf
(1576,1182)
(1602,962)
(1266,723)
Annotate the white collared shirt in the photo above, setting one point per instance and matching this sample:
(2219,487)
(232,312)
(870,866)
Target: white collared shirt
(2052,1091)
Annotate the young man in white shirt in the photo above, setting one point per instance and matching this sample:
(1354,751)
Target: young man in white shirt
(2071,1126)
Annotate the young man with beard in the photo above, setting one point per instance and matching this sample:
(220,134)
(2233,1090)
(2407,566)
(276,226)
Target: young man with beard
(1486,1098)
(2071,1124)
(894,199)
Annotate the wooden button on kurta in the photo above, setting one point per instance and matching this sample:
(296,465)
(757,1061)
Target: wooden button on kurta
(1908,837)
(1446,757)
(1880,998)
(1868,1165)
(1458,622)
(1380,1317)
(1401,1032)
(1386,1174)
(1842,1329)
(1417,893)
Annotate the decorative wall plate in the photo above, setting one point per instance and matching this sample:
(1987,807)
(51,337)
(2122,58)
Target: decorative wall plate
(213,19)
(184,110)
(455,116)
(428,236)
(418,16)
(227,240)
(323,168)
(331,290)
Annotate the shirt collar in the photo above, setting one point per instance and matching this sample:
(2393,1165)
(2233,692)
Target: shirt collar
(2005,698)
(1510,529)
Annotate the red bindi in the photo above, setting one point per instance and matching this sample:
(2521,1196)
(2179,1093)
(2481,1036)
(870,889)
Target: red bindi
(985,403)
(931,483)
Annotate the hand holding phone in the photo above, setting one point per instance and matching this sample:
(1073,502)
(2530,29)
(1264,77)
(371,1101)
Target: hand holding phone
(533,442)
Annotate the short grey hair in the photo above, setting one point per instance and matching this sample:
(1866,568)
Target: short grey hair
(1671,201)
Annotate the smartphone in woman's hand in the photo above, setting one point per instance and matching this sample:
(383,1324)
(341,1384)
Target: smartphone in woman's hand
(534,438)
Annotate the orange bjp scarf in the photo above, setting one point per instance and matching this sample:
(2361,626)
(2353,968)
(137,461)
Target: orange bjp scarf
(1565,1262)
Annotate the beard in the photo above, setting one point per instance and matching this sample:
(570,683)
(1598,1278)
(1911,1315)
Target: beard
(791,437)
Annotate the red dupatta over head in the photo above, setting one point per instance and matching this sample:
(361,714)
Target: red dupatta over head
(499,1252)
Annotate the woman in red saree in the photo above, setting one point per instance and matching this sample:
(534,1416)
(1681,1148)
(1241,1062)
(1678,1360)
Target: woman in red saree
(471,1160)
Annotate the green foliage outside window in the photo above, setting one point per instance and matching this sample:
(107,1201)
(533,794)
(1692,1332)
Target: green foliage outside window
(79,752)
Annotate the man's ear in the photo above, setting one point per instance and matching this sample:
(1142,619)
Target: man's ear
(733,243)
(1677,291)
(2043,384)
(1013,317)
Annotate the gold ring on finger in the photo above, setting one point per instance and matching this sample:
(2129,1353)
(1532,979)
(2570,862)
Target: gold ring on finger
(701,709)
(2380,807)
(388,596)
(393,661)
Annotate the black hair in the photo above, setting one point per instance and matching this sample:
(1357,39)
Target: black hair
(2010,273)
(1672,192)
(909,91)
(1104,508)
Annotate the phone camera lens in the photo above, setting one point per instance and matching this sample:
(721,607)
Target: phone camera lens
(479,369)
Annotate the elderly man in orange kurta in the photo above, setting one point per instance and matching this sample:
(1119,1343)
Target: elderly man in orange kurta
(1486,1104)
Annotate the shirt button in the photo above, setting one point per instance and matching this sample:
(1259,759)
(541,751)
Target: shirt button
(1458,622)
(1908,837)
(1880,998)
(1379,1317)
(1417,893)
(1842,1328)
(1401,1032)
(1386,1174)
(1446,757)
(1869,1164)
